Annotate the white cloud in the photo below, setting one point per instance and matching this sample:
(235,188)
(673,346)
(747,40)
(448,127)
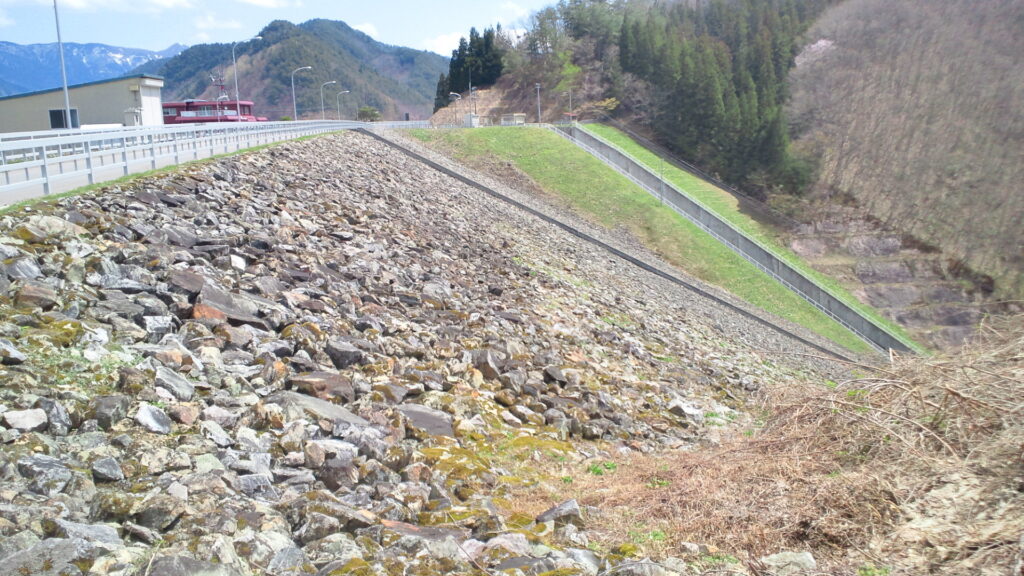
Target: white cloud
(515,10)
(443,44)
(147,6)
(515,34)
(5,20)
(368,29)
(212,22)
(272,3)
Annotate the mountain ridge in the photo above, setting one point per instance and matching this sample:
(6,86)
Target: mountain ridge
(394,79)
(32,67)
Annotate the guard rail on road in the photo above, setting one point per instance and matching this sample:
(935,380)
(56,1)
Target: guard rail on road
(39,163)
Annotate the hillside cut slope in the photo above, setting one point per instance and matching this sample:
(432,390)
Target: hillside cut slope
(323,357)
(914,109)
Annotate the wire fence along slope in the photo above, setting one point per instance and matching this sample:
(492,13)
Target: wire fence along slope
(750,249)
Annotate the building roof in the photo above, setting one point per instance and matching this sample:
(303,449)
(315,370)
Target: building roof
(93,83)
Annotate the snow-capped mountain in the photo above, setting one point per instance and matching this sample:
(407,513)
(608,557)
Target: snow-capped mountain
(27,68)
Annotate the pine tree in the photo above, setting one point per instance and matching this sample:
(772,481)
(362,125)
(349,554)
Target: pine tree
(441,98)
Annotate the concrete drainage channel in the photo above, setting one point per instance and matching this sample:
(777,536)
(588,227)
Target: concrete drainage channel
(611,249)
(750,249)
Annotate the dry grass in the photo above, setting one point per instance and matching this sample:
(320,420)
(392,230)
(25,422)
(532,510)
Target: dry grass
(919,469)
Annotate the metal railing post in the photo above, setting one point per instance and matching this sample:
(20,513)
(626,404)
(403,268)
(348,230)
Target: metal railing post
(90,171)
(46,171)
(124,154)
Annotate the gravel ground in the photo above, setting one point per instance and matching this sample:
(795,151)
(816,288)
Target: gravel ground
(648,291)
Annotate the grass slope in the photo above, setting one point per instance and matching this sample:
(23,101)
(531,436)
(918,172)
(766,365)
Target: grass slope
(611,200)
(725,206)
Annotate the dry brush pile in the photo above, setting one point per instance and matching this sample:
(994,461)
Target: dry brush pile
(917,468)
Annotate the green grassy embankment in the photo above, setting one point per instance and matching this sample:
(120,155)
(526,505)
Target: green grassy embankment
(725,206)
(611,200)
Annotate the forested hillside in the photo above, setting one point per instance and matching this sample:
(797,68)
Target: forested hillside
(913,110)
(392,79)
(707,77)
(891,128)
(475,63)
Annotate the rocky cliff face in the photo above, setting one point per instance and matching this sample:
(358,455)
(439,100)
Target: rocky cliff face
(935,298)
(326,358)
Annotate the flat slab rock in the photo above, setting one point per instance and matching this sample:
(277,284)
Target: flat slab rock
(316,407)
(435,533)
(565,513)
(323,385)
(219,304)
(433,422)
(32,420)
(184,566)
(52,557)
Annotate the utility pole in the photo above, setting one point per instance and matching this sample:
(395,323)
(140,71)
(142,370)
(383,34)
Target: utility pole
(63,73)
(538,102)
(471,97)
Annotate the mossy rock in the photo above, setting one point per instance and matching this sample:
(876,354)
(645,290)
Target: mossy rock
(456,463)
(116,506)
(519,521)
(546,445)
(627,550)
(354,567)
(63,333)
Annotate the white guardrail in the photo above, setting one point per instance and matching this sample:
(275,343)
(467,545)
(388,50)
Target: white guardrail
(36,164)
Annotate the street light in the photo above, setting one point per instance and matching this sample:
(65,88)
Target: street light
(295,107)
(458,98)
(338,97)
(63,73)
(234,67)
(323,115)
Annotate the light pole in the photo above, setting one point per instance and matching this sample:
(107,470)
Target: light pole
(63,73)
(323,114)
(234,67)
(471,99)
(458,98)
(338,97)
(538,102)
(295,107)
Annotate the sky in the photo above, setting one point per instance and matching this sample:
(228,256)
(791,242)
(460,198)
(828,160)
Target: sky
(434,25)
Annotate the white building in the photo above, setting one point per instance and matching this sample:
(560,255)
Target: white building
(126,101)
